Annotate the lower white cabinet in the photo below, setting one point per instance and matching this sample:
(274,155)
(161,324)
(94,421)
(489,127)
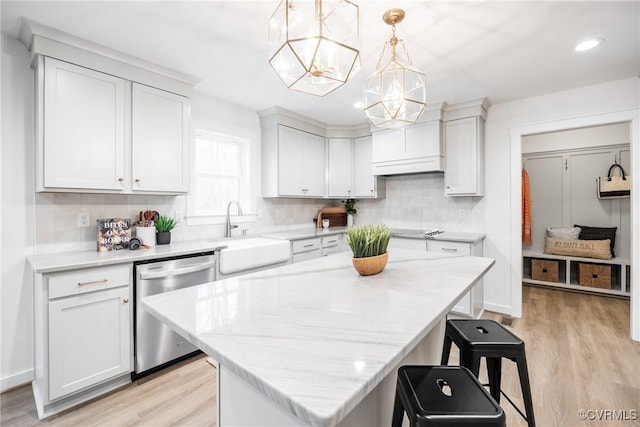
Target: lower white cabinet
(471,305)
(306,249)
(332,244)
(83,335)
(88,340)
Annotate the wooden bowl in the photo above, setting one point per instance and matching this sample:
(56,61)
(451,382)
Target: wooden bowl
(371,265)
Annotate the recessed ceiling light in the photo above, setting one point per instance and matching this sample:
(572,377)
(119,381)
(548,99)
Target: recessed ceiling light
(588,44)
(358,104)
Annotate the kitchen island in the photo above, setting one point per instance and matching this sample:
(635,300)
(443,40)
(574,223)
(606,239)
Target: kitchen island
(314,343)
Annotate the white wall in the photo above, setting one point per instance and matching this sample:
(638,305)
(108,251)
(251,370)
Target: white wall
(563,110)
(16,325)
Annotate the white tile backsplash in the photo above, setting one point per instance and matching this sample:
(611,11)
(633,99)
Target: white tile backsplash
(413,201)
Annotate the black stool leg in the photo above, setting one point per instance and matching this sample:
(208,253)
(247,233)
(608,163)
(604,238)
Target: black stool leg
(523,373)
(446,350)
(398,412)
(494,371)
(470,360)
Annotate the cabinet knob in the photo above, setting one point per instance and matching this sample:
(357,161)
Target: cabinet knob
(125,300)
(137,179)
(120,179)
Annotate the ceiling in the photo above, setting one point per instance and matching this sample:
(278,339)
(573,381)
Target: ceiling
(504,50)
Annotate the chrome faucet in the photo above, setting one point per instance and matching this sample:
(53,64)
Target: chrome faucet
(230,227)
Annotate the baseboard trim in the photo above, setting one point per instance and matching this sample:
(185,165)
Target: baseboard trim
(16,380)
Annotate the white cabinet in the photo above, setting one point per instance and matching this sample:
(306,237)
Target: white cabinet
(332,244)
(340,167)
(160,140)
(83,126)
(407,243)
(464,160)
(301,164)
(472,303)
(89,340)
(417,148)
(99,133)
(306,249)
(83,335)
(349,169)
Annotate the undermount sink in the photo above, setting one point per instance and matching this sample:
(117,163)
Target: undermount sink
(243,254)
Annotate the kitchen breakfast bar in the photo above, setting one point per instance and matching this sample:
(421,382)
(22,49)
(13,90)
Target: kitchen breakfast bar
(314,343)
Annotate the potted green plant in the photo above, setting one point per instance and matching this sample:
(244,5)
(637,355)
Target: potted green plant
(350,208)
(369,242)
(164,225)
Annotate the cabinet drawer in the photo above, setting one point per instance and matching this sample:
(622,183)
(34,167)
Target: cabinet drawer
(88,280)
(451,248)
(305,245)
(329,241)
(304,256)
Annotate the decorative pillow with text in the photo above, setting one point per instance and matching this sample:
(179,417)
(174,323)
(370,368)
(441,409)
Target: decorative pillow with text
(580,248)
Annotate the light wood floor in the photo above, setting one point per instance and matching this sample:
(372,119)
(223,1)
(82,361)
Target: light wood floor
(579,353)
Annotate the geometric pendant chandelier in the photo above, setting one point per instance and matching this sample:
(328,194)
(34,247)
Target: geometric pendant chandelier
(314,45)
(395,95)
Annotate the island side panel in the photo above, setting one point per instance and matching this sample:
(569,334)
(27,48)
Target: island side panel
(241,404)
(376,409)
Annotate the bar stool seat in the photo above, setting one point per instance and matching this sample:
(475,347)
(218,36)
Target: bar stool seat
(443,396)
(477,338)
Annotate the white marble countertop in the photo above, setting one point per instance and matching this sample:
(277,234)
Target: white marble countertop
(49,263)
(315,337)
(305,233)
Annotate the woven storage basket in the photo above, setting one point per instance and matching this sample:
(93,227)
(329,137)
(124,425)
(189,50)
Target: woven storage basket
(544,270)
(595,276)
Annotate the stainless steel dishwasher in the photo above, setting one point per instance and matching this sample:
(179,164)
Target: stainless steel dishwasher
(157,345)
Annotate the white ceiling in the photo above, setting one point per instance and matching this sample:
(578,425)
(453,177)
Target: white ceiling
(504,50)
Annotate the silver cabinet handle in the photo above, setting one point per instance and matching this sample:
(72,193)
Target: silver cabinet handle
(308,246)
(137,179)
(93,282)
(120,179)
(449,249)
(125,300)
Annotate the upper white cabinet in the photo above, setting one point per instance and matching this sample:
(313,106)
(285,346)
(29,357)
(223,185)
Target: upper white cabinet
(300,164)
(350,173)
(464,147)
(417,148)
(160,140)
(340,167)
(99,133)
(83,129)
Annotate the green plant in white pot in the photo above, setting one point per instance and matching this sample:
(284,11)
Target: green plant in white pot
(369,242)
(164,225)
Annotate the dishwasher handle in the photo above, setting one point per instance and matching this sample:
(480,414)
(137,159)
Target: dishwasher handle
(177,271)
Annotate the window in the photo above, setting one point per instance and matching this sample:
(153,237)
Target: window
(221,174)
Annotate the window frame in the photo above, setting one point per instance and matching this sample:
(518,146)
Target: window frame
(192,217)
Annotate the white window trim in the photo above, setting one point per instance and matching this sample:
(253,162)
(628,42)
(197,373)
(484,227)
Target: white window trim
(248,215)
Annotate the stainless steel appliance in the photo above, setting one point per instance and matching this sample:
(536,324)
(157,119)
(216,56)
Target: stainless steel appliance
(157,345)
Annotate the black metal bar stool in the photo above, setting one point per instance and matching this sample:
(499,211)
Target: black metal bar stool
(443,396)
(477,338)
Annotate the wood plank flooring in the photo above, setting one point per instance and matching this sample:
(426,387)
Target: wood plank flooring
(579,353)
(182,395)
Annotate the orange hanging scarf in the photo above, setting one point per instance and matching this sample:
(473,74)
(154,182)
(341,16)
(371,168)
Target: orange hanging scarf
(526,208)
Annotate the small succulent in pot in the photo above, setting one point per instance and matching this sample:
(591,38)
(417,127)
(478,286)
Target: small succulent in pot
(165,224)
(367,240)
